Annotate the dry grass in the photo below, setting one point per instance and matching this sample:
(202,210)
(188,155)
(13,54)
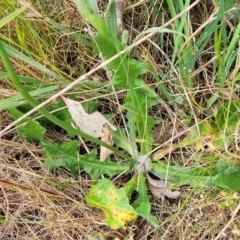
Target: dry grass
(36,204)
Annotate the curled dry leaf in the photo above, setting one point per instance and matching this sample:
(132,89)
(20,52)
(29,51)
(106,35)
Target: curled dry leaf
(91,124)
(107,138)
(94,124)
(161,188)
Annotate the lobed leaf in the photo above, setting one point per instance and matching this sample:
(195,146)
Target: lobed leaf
(28,128)
(223,175)
(96,169)
(61,155)
(66,155)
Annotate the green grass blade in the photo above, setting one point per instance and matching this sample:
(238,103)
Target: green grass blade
(111,17)
(85,39)
(234,42)
(15,53)
(86,7)
(11,16)
(19,100)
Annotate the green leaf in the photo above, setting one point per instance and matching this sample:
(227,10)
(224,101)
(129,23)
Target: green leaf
(198,177)
(109,46)
(142,204)
(142,190)
(111,17)
(66,155)
(131,186)
(122,141)
(223,175)
(24,79)
(228,176)
(112,201)
(227,117)
(28,128)
(138,101)
(61,155)
(89,9)
(144,211)
(95,168)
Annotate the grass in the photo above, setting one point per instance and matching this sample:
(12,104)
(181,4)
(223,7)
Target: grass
(172,92)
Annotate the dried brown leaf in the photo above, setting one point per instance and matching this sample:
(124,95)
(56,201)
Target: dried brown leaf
(94,124)
(107,138)
(161,188)
(91,124)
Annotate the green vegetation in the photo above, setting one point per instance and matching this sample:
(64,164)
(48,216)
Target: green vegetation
(182,77)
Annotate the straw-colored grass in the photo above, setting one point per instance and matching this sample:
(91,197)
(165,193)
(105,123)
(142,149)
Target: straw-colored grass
(37,204)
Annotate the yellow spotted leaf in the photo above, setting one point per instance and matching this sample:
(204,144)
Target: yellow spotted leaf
(112,201)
